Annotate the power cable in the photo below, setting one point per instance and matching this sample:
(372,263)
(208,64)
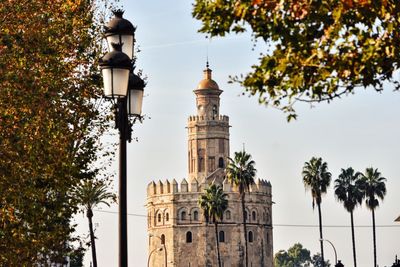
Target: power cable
(281,225)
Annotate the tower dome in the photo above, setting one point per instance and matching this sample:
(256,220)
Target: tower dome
(207,82)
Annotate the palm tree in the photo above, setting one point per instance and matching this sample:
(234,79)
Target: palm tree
(214,203)
(241,172)
(316,178)
(91,193)
(374,187)
(348,190)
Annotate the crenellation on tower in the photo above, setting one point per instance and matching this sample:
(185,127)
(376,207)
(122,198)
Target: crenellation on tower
(184,186)
(174,186)
(151,188)
(173,212)
(168,187)
(160,187)
(194,185)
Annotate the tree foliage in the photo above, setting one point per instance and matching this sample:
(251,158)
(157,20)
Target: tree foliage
(316,178)
(349,190)
(316,261)
(50,123)
(241,172)
(91,193)
(374,187)
(318,50)
(297,256)
(214,202)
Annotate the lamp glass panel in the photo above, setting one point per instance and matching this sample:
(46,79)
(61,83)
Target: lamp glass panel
(127,41)
(112,39)
(115,82)
(127,48)
(135,102)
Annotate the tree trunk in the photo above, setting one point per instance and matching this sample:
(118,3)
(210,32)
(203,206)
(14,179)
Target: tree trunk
(244,230)
(92,237)
(320,235)
(353,239)
(217,242)
(374,235)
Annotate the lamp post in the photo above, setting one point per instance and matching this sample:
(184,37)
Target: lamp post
(163,244)
(334,249)
(125,89)
(154,250)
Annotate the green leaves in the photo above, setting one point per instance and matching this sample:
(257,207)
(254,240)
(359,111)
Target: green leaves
(320,49)
(374,187)
(297,256)
(213,202)
(349,189)
(241,171)
(316,178)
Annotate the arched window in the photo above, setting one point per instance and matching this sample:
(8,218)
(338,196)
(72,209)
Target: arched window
(167,216)
(221,163)
(162,239)
(214,112)
(189,237)
(245,215)
(195,215)
(183,216)
(159,217)
(228,215)
(253,215)
(250,237)
(221,236)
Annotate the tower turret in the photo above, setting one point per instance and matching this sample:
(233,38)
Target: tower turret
(208,140)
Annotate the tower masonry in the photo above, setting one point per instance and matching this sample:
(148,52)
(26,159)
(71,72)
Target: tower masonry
(175,221)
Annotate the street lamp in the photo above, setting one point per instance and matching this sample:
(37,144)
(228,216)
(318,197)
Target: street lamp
(126,88)
(135,94)
(334,249)
(115,67)
(154,250)
(165,249)
(120,31)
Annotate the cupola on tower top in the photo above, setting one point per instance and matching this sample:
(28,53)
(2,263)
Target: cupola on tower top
(207,82)
(207,95)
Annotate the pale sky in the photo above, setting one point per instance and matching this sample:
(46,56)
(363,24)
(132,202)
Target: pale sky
(360,131)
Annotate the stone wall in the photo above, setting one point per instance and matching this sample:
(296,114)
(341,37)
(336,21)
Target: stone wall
(173,212)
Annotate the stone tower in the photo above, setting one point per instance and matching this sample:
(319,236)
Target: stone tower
(178,234)
(208,143)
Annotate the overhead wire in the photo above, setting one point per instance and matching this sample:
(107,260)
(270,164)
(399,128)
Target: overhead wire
(277,224)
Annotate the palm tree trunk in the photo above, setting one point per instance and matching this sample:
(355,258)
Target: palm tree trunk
(374,235)
(92,238)
(217,242)
(244,230)
(321,239)
(353,239)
